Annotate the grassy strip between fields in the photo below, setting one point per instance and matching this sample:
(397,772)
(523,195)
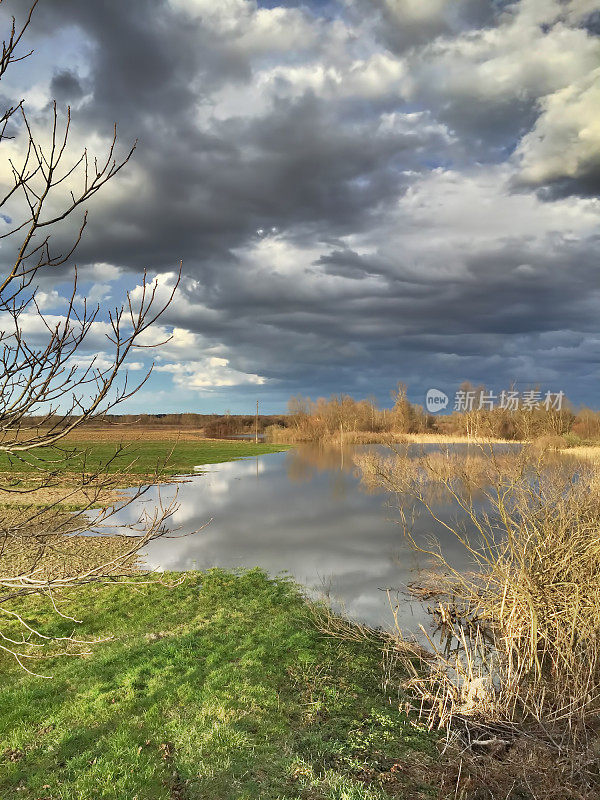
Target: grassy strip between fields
(137,458)
(221,687)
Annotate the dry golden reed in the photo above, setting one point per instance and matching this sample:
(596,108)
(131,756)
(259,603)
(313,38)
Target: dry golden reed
(522,647)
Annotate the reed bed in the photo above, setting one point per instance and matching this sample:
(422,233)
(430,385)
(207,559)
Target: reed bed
(449,438)
(279,435)
(588,452)
(321,435)
(520,659)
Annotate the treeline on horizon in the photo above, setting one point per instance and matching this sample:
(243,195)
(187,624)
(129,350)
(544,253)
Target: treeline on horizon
(314,420)
(324,418)
(212,425)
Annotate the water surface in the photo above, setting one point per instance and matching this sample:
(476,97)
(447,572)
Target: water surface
(304,513)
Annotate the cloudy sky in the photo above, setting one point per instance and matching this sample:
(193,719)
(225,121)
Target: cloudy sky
(361,191)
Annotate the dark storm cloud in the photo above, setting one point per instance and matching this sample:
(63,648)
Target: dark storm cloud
(287,178)
(345,263)
(491,324)
(586,184)
(208,188)
(591,23)
(426,21)
(66,87)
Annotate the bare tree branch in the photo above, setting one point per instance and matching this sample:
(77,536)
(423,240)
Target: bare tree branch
(46,374)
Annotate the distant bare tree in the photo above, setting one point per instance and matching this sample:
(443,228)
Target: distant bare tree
(42,374)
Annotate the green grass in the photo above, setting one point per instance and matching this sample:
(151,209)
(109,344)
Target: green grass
(219,688)
(140,458)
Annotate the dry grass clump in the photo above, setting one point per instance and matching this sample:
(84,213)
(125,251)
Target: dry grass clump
(416,475)
(527,770)
(316,433)
(548,442)
(454,438)
(61,557)
(52,549)
(63,491)
(278,435)
(521,650)
(362,437)
(319,434)
(588,452)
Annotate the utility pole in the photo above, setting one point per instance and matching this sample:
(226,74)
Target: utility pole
(256,425)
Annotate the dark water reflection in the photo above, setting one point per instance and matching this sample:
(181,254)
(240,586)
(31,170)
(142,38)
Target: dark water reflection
(305,513)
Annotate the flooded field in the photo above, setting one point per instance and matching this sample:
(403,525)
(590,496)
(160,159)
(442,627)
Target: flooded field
(305,513)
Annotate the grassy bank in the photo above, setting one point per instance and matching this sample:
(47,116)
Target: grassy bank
(53,476)
(219,688)
(139,457)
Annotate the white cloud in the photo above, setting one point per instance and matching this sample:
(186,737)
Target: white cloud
(477,205)
(208,373)
(96,294)
(100,272)
(515,60)
(49,300)
(248,28)
(565,141)
(370,78)
(102,362)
